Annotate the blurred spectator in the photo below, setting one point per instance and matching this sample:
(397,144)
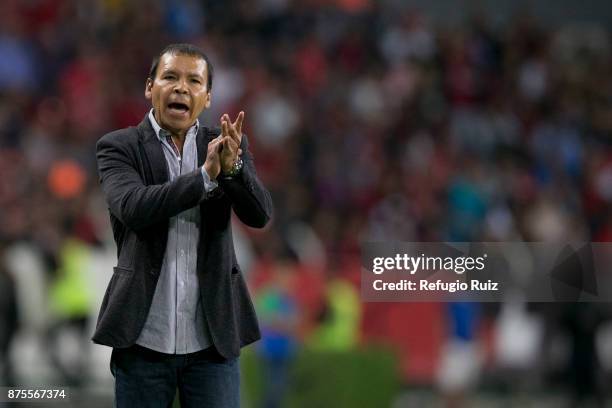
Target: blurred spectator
(71,303)
(411,38)
(339,318)
(279,318)
(582,321)
(461,360)
(8,320)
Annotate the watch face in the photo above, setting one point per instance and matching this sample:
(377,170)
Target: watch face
(237,166)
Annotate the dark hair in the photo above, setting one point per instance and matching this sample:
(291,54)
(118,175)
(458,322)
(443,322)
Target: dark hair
(183,49)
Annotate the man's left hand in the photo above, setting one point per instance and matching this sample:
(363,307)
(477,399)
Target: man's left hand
(232,137)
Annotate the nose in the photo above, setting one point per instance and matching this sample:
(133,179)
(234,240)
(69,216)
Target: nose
(180,86)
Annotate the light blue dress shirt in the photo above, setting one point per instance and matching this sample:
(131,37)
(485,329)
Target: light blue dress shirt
(176,323)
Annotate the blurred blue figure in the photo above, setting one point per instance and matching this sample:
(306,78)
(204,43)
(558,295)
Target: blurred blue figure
(467,205)
(278,315)
(184,19)
(461,358)
(17,65)
(464,319)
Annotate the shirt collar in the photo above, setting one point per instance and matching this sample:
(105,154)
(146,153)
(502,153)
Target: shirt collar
(158,128)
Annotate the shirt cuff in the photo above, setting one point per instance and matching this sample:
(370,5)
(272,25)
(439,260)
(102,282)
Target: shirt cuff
(209,185)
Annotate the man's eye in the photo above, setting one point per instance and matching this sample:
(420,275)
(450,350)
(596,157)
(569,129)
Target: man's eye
(196,81)
(169,77)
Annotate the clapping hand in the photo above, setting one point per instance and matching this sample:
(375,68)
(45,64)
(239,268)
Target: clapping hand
(224,150)
(231,137)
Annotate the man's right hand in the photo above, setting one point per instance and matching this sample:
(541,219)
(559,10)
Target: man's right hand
(212,165)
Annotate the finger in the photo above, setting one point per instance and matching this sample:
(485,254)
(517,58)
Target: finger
(237,125)
(231,144)
(214,149)
(219,147)
(230,127)
(234,132)
(228,123)
(225,118)
(213,142)
(223,143)
(216,141)
(238,122)
(225,132)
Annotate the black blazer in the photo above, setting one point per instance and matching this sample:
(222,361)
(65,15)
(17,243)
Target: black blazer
(134,177)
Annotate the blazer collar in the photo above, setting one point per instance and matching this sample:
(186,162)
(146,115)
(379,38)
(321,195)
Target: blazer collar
(158,167)
(155,154)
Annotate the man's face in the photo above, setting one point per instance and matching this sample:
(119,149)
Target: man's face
(178,92)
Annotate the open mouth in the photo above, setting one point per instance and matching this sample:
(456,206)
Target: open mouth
(178,108)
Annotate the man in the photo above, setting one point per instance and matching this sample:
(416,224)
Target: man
(9,319)
(177,310)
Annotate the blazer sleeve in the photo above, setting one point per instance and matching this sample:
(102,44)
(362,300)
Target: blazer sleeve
(135,204)
(250,199)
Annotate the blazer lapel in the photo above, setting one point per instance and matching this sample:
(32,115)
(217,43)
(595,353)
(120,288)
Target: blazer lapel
(204,136)
(155,171)
(158,168)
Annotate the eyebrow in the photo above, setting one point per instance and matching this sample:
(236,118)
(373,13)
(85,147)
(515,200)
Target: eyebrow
(189,74)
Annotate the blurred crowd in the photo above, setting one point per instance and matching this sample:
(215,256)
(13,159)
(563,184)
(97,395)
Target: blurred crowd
(368,121)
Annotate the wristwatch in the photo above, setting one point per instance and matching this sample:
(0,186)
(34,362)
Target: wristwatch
(236,167)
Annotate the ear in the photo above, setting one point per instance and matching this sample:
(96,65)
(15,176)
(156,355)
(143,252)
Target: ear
(148,86)
(208,99)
